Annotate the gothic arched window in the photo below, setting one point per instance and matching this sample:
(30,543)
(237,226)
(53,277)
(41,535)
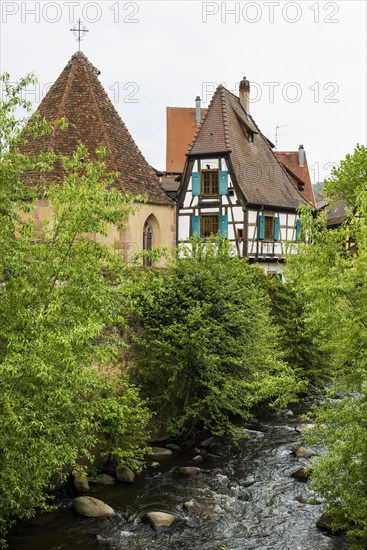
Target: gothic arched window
(148,241)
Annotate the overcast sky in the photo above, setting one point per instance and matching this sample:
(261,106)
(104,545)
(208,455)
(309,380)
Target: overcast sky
(306,62)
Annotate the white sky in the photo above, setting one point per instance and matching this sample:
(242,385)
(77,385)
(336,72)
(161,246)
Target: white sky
(306,60)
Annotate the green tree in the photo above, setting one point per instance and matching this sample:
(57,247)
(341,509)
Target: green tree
(300,345)
(203,343)
(332,281)
(349,179)
(60,298)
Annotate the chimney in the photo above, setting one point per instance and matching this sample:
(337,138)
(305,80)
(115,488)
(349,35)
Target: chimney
(245,94)
(301,155)
(197,110)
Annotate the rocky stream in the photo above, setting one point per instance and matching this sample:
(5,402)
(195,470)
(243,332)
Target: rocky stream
(246,499)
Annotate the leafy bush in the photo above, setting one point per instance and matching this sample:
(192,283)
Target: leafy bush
(203,342)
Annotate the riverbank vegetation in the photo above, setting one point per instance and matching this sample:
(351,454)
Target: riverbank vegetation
(204,348)
(330,277)
(59,302)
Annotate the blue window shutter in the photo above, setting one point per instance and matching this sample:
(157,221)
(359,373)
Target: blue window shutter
(223,183)
(261,227)
(298,229)
(276,229)
(195,183)
(223,226)
(195,226)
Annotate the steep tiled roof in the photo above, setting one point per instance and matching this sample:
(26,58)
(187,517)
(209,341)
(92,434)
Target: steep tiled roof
(170,182)
(92,119)
(260,176)
(212,135)
(337,213)
(181,129)
(290,160)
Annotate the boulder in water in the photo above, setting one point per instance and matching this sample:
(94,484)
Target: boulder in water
(159,452)
(125,475)
(207,442)
(302,428)
(303,474)
(202,508)
(324,522)
(92,507)
(80,481)
(303,452)
(198,458)
(104,479)
(157,520)
(173,447)
(191,471)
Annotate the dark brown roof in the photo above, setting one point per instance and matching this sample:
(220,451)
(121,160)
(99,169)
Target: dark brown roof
(170,182)
(260,176)
(337,213)
(290,160)
(92,119)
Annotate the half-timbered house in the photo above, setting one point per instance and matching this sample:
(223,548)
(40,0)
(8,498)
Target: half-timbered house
(234,184)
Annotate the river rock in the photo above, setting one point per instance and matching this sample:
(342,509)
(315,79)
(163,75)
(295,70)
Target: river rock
(191,471)
(159,452)
(80,481)
(303,452)
(173,447)
(125,475)
(92,507)
(207,442)
(325,521)
(301,428)
(104,479)
(202,509)
(157,520)
(198,458)
(250,480)
(303,474)
(158,437)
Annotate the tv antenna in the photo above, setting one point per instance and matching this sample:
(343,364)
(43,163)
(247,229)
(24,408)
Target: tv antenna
(276,134)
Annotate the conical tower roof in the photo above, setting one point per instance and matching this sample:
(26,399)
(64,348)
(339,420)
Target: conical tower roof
(79,96)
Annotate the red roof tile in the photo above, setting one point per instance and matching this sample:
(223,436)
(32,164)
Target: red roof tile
(290,160)
(181,130)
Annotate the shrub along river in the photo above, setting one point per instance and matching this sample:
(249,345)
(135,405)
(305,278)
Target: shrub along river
(253,502)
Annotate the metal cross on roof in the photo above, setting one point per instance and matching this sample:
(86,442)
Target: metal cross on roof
(79,32)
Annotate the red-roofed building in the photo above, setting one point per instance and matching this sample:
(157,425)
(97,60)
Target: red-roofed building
(182,125)
(295,162)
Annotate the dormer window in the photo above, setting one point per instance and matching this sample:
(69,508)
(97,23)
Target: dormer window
(250,136)
(210,182)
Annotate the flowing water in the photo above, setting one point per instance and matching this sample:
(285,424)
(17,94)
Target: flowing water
(257,505)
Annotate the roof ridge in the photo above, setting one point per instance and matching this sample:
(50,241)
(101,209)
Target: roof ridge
(100,120)
(130,137)
(63,101)
(186,108)
(225,117)
(204,118)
